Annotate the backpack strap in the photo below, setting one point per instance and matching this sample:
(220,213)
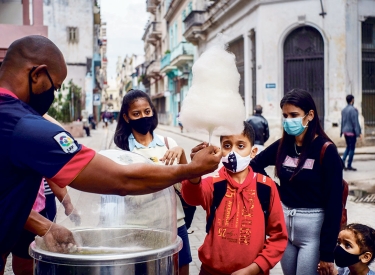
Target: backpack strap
(220,188)
(264,195)
(323,150)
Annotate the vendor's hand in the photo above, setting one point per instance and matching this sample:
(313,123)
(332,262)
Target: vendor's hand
(205,161)
(74,217)
(59,239)
(326,268)
(197,148)
(72,213)
(173,154)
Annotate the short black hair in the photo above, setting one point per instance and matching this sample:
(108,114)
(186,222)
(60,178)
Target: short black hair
(258,109)
(349,98)
(248,132)
(365,238)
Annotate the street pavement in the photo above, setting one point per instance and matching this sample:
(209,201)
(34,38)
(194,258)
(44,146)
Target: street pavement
(364,161)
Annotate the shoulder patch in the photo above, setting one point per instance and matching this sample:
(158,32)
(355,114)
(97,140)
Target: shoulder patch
(66,143)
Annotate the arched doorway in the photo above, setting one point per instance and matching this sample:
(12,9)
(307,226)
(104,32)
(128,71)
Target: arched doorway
(304,64)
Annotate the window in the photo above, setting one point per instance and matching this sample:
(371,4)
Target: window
(72,34)
(190,7)
(183,15)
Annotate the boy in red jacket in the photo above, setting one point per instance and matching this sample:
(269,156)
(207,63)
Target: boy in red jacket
(236,242)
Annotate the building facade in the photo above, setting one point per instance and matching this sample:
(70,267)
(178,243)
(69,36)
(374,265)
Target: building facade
(325,47)
(19,19)
(169,57)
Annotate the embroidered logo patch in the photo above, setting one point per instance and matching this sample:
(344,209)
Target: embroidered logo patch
(66,143)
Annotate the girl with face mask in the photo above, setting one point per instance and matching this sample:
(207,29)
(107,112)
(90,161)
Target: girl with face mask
(310,190)
(355,249)
(135,132)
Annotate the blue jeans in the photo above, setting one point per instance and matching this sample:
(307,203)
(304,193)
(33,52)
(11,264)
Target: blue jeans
(350,147)
(184,256)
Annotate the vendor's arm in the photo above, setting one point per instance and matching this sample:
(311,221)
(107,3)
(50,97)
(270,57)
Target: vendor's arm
(140,179)
(55,237)
(63,196)
(49,150)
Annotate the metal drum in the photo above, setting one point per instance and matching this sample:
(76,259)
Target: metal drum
(113,251)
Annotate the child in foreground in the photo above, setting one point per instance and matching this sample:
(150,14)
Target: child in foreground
(236,242)
(355,250)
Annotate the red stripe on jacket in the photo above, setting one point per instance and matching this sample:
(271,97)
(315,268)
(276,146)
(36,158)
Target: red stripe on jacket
(72,169)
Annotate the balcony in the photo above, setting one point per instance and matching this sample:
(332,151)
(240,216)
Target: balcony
(151,5)
(153,69)
(193,26)
(183,53)
(165,66)
(152,33)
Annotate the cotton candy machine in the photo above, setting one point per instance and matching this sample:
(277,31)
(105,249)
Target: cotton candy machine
(115,235)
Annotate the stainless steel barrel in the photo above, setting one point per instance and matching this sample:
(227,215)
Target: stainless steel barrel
(113,251)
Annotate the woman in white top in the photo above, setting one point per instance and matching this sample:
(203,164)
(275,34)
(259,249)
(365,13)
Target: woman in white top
(135,132)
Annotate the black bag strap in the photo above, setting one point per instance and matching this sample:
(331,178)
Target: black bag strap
(220,188)
(264,196)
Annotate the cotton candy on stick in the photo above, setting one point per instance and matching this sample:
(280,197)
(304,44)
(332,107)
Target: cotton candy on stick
(213,102)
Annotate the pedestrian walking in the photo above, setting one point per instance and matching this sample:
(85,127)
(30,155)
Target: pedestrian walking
(310,187)
(180,123)
(32,70)
(351,129)
(260,126)
(135,132)
(239,219)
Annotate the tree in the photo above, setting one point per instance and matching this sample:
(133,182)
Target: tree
(66,106)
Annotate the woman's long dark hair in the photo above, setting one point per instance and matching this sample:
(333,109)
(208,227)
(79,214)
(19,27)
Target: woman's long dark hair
(123,129)
(303,100)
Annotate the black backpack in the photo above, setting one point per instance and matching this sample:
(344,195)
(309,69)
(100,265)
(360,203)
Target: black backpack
(220,189)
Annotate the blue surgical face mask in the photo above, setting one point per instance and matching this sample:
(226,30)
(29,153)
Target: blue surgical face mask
(294,126)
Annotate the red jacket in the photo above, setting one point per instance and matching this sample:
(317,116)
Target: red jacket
(237,236)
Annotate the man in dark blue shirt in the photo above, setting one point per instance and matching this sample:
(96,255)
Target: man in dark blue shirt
(33,147)
(351,129)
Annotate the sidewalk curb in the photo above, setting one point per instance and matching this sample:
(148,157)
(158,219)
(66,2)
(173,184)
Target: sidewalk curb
(178,133)
(166,129)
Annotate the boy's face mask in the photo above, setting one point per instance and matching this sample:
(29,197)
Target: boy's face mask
(343,258)
(235,163)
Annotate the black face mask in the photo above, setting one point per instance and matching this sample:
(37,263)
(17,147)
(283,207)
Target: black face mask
(344,258)
(41,102)
(141,125)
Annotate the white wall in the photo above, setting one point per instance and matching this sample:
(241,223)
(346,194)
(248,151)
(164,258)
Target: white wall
(11,13)
(272,22)
(58,15)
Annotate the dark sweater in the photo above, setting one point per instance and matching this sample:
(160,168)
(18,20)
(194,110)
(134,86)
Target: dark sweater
(317,186)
